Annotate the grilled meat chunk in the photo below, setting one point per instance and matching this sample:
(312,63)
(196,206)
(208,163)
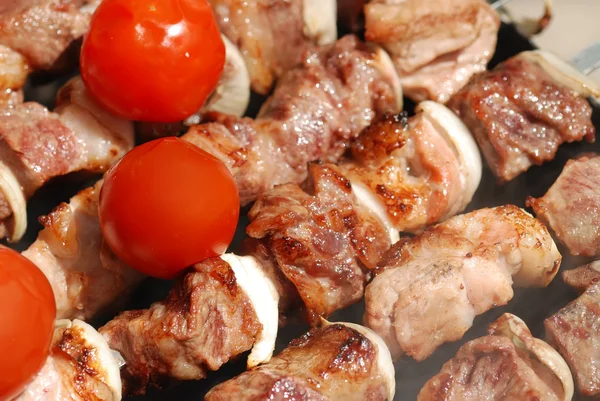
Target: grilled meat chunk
(436,46)
(80,367)
(42,30)
(336,362)
(574,332)
(572,206)
(37,145)
(520,115)
(316,109)
(206,320)
(273,35)
(432,286)
(86,277)
(322,239)
(582,277)
(508,364)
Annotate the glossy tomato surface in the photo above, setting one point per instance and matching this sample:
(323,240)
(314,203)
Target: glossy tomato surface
(167,205)
(152,60)
(27,313)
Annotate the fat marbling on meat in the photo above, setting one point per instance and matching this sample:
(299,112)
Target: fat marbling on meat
(520,113)
(436,46)
(574,332)
(37,145)
(509,364)
(431,287)
(272,36)
(342,362)
(571,207)
(86,277)
(314,112)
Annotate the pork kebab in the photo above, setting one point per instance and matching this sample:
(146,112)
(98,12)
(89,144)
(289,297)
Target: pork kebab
(246,294)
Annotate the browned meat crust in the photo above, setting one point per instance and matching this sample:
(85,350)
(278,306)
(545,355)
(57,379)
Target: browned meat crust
(572,206)
(322,240)
(331,363)
(316,109)
(575,333)
(520,116)
(204,322)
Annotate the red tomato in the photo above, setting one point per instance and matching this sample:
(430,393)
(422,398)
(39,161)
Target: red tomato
(27,313)
(167,205)
(152,60)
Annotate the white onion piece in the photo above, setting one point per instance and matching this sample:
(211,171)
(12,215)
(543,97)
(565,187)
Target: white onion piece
(264,298)
(385,65)
(512,327)
(320,20)
(366,198)
(385,363)
(110,373)
(460,138)
(232,95)
(16,200)
(563,72)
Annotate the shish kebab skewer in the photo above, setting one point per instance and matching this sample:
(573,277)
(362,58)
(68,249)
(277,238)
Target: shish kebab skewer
(226,286)
(86,283)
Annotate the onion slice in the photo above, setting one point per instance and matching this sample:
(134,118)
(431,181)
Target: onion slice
(264,298)
(366,198)
(459,137)
(385,363)
(384,64)
(13,193)
(320,21)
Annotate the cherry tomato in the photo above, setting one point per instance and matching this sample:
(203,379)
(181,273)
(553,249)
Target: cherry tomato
(27,313)
(152,60)
(167,205)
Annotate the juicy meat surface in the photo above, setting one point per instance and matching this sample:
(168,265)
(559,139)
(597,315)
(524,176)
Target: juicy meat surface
(432,286)
(575,333)
(204,322)
(572,206)
(320,238)
(37,145)
(331,363)
(13,73)
(490,368)
(437,46)
(316,109)
(72,372)
(269,34)
(520,115)
(582,277)
(86,277)
(410,167)
(42,30)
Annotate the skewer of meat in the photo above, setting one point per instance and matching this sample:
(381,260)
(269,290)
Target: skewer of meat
(340,361)
(573,330)
(524,109)
(507,364)
(314,112)
(428,289)
(37,145)
(311,248)
(571,207)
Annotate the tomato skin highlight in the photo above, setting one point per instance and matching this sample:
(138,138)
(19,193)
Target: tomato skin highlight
(167,205)
(27,313)
(152,60)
